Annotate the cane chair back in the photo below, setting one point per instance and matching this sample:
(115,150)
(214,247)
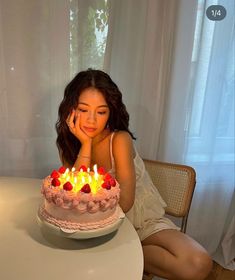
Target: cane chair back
(175,183)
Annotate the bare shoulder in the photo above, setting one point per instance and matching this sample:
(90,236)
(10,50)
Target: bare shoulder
(122,137)
(123,140)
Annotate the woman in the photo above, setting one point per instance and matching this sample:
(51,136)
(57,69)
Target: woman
(93,128)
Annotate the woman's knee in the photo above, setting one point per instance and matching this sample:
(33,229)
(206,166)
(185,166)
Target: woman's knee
(198,266)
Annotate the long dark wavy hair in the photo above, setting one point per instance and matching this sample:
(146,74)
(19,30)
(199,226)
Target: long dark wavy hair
(68,145)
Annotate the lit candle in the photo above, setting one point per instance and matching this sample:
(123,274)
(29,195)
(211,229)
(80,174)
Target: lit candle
(75,183)
(95,170)
(63,176)
(72,174)
(66,171)
(83,180)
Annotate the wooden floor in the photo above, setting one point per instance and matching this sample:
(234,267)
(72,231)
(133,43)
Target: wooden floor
(220,273)
(217,273)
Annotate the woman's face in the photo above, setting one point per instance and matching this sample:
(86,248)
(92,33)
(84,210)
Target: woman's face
(94,112)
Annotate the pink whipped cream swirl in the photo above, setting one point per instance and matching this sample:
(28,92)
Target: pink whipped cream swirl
(78,226)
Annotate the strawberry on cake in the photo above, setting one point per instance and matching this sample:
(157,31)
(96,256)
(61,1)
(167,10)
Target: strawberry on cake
(80,199)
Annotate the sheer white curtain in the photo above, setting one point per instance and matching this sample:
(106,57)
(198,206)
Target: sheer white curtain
(43,44)
(210,138)
(34,66)
(181,105)
(138,57)
(198,124)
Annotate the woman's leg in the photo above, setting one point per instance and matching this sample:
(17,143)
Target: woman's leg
(174,255)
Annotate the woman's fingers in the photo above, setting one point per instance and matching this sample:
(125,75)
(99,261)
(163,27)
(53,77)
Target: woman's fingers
(80,133)
(73,122)
(77,120)
(70,120)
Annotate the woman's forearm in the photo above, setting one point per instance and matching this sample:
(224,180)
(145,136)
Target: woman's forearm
(84,156)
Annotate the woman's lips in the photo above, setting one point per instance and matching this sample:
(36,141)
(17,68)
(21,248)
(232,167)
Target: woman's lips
(89,129)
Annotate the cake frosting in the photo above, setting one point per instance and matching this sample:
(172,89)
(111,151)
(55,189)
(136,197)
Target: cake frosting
(80,199)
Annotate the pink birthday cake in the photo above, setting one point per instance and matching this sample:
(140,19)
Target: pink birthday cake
(79,199)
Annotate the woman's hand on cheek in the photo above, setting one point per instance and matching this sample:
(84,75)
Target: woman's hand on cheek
(73,122)
(80,134)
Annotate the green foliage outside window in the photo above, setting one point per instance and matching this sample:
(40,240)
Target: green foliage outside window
(88,33)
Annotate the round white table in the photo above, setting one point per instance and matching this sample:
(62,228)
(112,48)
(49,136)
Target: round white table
(28,252)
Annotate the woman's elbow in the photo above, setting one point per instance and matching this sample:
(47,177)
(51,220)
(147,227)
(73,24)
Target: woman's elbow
(126,206)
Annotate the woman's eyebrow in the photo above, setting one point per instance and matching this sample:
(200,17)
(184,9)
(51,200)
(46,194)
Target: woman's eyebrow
(106,106)
(83,103)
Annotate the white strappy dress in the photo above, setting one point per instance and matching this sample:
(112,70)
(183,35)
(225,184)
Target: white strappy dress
(147,213)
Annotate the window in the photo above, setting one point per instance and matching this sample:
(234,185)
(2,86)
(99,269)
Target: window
(211,125)
(88,34)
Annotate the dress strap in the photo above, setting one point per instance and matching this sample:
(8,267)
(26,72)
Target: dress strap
(111,150)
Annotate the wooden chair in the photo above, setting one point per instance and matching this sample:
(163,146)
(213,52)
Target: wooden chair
(175,183)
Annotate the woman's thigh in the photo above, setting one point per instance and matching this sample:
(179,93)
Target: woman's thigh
(174,241)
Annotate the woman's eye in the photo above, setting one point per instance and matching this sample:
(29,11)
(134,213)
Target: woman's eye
(82,110)
(102,112)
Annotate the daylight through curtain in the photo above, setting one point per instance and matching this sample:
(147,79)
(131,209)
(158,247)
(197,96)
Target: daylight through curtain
(175,69)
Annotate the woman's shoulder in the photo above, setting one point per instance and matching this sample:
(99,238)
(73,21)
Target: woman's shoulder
(122,136)
(122,139)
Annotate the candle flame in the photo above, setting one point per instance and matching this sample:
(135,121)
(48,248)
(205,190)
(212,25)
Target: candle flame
(80,178)
(95,170)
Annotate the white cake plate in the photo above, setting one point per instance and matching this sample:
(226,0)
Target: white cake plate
(82,234)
